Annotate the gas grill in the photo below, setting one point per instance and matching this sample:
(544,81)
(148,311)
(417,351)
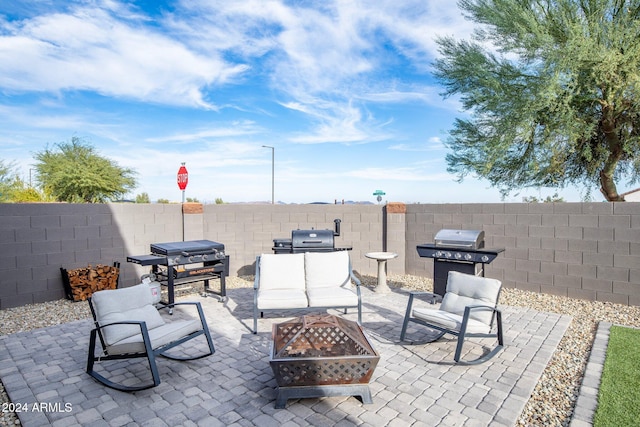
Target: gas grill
(457,250)
(310,241)
(179,263)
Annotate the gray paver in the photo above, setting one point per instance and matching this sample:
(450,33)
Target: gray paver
(412,385)
(587,402)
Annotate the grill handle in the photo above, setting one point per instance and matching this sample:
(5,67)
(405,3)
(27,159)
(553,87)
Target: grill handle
(202,252)
(337,222)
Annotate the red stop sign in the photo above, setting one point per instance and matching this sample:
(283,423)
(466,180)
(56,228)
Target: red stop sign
(183,177)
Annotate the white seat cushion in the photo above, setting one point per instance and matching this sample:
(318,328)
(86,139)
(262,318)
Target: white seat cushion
(449,321)
(125,304)
(332,297)
(159,336)
(281,298)
(465,289)
(327,270)
(282,271)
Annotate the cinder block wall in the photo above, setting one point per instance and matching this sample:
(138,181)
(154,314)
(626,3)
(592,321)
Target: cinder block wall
(248,230)
(581,250)
(36,240)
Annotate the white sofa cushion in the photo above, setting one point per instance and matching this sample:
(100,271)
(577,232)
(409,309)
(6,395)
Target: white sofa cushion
(327,270)
(125,304)
(332,297)
(328,279)
(281,298)
(281,271)
(465,289)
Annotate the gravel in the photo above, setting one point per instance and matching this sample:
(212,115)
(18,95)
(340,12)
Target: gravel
(551,403)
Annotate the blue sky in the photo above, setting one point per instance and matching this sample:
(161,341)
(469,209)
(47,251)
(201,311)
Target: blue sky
(341,89)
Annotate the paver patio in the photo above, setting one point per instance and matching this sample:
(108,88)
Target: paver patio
(412,384)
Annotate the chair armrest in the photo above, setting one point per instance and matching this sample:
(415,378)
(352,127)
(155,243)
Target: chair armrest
(174,304)
(481,307)
(424,294)
(141,323)
(144,332)
(355,279)
(194,303)
(256,280)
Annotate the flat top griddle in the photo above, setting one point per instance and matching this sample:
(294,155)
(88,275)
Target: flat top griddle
(191,247)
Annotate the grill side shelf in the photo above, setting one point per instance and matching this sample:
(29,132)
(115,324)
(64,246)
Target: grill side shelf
(148,259)
(171,277)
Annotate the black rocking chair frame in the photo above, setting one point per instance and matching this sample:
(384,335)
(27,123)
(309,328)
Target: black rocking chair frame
(150,353)
(462,334)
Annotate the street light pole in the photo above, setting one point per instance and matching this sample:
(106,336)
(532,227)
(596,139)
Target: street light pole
(273,150)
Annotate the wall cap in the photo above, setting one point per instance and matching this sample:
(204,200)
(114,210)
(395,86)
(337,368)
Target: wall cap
(396,207)
(192,208)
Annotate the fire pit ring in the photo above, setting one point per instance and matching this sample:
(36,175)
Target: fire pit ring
(321,355)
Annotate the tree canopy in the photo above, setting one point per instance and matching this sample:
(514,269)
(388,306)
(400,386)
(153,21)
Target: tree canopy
(552,88)
(8,178)
(73,172)
(14,189)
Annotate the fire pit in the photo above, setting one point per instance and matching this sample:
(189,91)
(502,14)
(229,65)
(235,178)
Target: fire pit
(321,355)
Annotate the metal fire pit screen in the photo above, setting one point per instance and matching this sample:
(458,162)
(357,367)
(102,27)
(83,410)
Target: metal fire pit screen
(321,355)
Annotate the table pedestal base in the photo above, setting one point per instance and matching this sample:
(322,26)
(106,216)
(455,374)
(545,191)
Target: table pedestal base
(382,257)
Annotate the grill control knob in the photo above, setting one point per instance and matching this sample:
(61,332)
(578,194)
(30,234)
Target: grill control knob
(205,257)
(484,258)
(458,255)
(437,254)
(468,257)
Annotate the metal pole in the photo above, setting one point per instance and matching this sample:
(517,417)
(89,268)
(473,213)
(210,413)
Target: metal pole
(272,172)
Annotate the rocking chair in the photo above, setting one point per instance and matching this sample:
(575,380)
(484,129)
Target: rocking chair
(130,326)
(468,309)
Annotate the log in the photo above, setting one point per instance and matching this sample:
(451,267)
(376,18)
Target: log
(83,282)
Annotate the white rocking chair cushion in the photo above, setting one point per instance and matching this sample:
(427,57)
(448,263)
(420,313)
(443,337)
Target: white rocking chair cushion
(126,304)
(162,335)
(281,298)
(464,290)
(327,270)
(450,321)
(282,271)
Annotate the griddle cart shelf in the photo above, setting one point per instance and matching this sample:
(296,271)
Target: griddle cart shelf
(170,276)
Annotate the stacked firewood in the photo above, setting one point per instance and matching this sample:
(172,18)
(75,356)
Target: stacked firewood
(85,281)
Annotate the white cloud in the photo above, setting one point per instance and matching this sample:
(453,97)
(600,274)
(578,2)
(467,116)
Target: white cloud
(91,49)
(235,129)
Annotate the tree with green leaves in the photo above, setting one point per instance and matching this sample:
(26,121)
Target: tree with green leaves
(74,172)
(143,198)
(552,88)
(8,178)
(14,189)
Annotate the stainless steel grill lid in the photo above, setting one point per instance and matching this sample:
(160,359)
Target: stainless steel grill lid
(468,239)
